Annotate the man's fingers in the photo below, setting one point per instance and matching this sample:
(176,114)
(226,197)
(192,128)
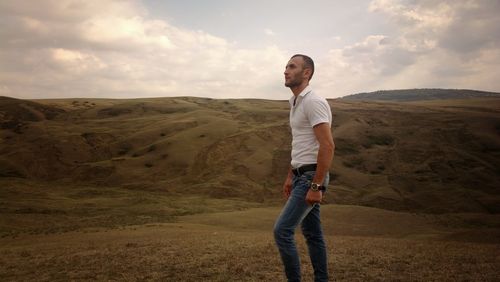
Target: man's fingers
(312,199)
(286,193)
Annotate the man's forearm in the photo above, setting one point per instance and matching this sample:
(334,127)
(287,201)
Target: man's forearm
(325,157)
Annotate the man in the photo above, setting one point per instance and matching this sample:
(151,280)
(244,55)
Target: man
(312,153)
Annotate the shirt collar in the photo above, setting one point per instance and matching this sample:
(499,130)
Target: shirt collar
(301,96)
(305,91)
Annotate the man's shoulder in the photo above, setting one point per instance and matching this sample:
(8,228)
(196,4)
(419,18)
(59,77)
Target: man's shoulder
(313,98)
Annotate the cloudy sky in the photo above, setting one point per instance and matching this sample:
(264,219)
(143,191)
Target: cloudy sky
(236,49)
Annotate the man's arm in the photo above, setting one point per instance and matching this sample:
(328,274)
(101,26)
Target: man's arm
(325,157)
(325,152)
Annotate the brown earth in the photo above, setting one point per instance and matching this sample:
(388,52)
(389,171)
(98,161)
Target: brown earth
(187,189)
(429,156)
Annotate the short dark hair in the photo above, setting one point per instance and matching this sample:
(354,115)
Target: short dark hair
(308,62)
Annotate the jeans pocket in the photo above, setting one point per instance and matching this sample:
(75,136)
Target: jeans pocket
(306,178)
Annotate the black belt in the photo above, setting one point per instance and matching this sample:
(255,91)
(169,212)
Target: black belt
(302,169)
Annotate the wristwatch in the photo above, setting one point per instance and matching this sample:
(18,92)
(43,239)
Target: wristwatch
(315,187)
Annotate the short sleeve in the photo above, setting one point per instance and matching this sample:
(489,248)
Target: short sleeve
(318,111)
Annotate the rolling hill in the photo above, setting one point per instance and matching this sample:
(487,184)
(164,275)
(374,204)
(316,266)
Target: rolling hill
(432,156)
(405,95)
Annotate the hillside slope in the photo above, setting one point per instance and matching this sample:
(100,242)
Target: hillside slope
(422,156)
(405,95)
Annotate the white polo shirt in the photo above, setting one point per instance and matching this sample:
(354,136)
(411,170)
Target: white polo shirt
(308,111)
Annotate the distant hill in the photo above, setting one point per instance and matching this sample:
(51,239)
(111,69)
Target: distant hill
(15,113)
(438,156)
(407,95)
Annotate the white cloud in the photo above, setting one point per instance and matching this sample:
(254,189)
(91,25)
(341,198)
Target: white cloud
(70,48)
(268,32)
(112,49)
(76,61)
(4,90)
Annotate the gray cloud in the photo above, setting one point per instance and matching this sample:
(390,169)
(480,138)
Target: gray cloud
(460,26)
(474,27)
(450,44)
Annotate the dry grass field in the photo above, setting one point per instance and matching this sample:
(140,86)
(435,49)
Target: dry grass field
(238,246)
(187,189)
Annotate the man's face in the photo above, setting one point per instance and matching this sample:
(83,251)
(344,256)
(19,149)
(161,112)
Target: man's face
(294,72)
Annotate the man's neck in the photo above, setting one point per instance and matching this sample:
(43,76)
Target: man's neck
(298,89)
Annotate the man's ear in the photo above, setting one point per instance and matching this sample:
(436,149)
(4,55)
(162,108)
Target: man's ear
(307,73)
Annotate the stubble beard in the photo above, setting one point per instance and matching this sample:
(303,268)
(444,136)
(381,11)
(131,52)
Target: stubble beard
(293,83)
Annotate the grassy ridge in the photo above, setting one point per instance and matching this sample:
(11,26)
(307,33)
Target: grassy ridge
(406,95)
(187,189)
(431,156)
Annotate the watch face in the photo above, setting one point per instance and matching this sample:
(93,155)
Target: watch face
(314,186)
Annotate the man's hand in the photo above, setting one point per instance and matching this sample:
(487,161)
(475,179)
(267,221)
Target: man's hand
(313,197)
(287,188)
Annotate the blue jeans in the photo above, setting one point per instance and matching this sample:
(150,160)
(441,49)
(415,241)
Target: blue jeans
(296,211)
